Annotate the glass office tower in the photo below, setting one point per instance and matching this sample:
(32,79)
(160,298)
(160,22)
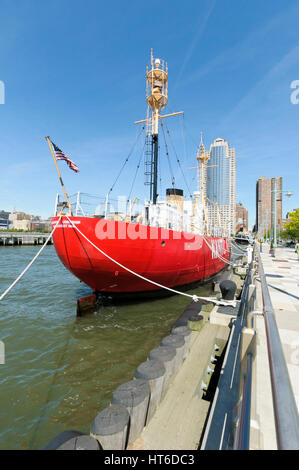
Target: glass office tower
(221,183)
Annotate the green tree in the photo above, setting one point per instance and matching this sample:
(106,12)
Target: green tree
(291,228)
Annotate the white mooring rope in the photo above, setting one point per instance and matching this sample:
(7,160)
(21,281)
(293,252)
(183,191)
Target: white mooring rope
(195,298)
(224,260)
(239,248)
(30,264)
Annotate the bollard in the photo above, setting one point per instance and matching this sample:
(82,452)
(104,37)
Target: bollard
(72,440)
(154,372)
(134,395)
(166,355)
(184,331)
(228,289)
(110,427)
(177,342)
(196,322)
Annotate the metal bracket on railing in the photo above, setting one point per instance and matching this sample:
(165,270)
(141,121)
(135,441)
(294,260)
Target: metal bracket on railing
(251,315)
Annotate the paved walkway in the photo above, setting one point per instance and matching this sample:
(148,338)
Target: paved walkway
(282,274)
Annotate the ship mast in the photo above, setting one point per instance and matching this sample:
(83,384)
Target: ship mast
(157,98)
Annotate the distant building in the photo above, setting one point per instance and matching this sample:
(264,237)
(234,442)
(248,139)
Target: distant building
(265,202)
(221,183)
(4,214)
(4,220)
(22,221)
(38,225)
(4,224)
(241,218)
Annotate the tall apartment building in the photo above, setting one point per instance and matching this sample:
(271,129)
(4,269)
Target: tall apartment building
(221,183)
(241,218)
(265,202)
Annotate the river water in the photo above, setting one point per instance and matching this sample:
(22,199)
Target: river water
(60,371)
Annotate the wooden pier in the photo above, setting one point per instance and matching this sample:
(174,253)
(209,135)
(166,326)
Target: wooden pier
(23,238)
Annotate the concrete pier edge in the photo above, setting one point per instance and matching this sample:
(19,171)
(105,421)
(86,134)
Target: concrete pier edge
(202,341)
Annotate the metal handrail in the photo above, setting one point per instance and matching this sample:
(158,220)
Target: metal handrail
(243,436)
(285,409)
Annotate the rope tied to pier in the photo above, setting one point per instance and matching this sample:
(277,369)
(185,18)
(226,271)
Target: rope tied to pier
(30,264)
(195,298)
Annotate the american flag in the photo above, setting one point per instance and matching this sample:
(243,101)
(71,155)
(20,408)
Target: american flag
(61,156)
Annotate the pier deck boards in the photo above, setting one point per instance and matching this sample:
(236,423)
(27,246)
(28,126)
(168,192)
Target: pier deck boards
(180,417)
(282,274)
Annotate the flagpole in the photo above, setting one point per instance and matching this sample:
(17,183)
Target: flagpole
(59,175)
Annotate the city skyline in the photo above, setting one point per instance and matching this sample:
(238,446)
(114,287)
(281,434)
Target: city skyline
(238,84)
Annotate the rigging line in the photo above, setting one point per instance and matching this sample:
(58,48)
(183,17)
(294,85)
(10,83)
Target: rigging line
(137,169)
(190,135)
(179,163)
(168,159)
(181,118)
(126,160)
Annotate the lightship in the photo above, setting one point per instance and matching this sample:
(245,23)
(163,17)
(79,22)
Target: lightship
(163,243)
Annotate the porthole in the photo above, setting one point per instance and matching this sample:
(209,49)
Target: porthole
(163,243)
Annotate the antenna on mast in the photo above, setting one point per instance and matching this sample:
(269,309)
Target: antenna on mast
(157,98)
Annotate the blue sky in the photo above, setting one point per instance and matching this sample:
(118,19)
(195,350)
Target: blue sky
(75,70)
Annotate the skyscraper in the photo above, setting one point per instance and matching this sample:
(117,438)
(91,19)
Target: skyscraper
(221,183)
(265,204)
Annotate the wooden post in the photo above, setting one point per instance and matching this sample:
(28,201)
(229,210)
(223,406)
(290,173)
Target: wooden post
(59,175)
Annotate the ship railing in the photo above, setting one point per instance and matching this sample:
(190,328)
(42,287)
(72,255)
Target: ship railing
(285,413)
(89,205)
(163,214)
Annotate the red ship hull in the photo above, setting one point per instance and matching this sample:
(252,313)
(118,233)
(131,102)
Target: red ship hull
(164,256)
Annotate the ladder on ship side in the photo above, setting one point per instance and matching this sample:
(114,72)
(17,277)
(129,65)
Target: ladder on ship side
(148,155)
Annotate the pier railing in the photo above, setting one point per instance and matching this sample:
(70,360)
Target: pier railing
(286,421)
(285,409)
(243,409)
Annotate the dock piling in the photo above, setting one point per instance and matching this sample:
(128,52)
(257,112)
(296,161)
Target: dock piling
(110,427)
(134,395)
(177,342)
(154,372)
(166,355)
(72,440)
(184,331)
